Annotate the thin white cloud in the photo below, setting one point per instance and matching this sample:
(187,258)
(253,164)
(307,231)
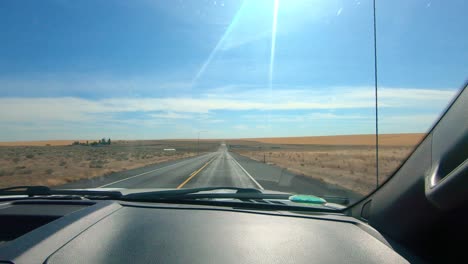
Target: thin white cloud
(407,123)
(213,121)
(241,127)
(99,86)
(171,115)
(79,109)
(332,116)
(319,104)
(48,109)
(305,117)
(263,127)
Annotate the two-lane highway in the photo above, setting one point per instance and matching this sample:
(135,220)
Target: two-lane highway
(222,170)
(214,169)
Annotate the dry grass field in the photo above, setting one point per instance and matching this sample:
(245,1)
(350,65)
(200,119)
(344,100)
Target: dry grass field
(39,143)
(348,140)
(349,164)
(346,161)
(52,164)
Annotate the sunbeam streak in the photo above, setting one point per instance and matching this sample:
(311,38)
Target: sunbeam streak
(272,53)
(273,43)
(218,45)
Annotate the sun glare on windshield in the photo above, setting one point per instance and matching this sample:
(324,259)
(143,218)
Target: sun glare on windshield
(297,97)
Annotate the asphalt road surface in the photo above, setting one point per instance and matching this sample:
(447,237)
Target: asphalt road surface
(220,168)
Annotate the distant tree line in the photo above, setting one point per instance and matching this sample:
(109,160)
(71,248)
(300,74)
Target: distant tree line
(102,141)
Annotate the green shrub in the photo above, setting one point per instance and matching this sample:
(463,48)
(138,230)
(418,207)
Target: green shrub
(6,172)
(26,171)
(96,164)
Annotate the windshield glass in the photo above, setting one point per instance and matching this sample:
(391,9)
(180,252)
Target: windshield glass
(273,95)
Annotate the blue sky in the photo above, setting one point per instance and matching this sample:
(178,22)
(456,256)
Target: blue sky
(168,69)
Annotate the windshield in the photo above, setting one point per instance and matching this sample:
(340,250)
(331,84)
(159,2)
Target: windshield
(302,97)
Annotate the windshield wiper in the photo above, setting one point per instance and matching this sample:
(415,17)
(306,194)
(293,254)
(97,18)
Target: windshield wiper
(37,190)
(197,193)
(242,198)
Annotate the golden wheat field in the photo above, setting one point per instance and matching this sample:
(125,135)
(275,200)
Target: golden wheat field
(346,161)
(348,140)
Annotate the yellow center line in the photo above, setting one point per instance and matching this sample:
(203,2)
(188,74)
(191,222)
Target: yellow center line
(193,174)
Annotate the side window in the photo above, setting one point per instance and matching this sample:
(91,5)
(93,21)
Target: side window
(422,65)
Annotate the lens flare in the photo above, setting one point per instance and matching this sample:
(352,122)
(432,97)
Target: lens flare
(219,44)
(273,43)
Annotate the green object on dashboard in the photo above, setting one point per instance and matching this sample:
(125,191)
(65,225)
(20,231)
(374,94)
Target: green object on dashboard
(307,199)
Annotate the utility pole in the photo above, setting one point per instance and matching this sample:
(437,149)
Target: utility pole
(198,141)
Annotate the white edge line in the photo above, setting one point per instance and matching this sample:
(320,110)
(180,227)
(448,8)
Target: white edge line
(141,174)
(134,176)
(248,174)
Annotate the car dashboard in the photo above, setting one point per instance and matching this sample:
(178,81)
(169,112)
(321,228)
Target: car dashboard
(86,231)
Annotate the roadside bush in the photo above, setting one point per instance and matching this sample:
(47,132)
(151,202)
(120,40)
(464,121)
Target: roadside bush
(25,171)
(6,172)
(30,156)
(49,171)
(96,164)
(109,173)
